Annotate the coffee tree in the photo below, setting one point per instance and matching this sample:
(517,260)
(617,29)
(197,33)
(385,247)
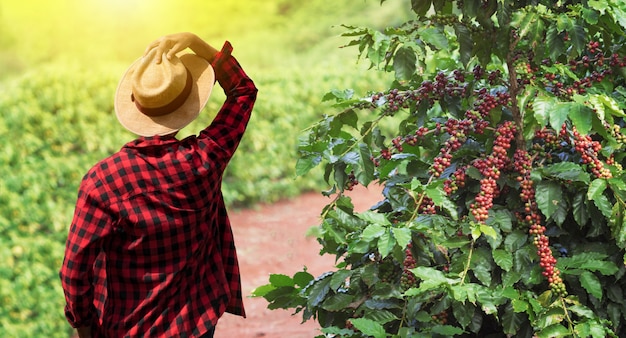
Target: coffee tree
(500,149)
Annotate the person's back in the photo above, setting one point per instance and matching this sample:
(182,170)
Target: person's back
(150,219)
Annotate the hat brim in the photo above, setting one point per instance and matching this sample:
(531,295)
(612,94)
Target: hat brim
(131,118)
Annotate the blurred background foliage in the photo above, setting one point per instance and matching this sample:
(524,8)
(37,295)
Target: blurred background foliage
(59,66)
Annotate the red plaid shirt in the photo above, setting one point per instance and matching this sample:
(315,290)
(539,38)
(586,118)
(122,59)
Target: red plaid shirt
(150,251)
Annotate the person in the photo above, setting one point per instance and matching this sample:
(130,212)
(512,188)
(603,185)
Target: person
(150,249)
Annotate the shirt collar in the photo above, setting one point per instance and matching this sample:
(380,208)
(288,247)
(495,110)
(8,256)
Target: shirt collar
(151,141)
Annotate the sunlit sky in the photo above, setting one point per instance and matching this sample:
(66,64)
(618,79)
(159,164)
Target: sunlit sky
(96,30)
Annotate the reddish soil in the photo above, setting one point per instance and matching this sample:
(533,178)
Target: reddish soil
(272,239)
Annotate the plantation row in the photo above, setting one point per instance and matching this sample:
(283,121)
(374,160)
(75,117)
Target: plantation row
(59,121)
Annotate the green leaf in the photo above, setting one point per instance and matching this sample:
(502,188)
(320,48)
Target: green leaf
(430,277)
(369,327)
(579,209)
(420,7)
(554,331)
(318,291)
(305,164)
(618,224)
(337,302)
(463,312)
(402,236)
(580,116)
(369,275)
(464,292)
(482,265)
(548,195)
(596,188)
(504,219)
(567,171)
(591,283)
(338,279)
(338,95)
(578,37)
(374,218)
(582,311)
(262,290)
(466,44)
(447,330)
(515,240)
(604,104)
(554,43)
(512,321)
(542,105)
(503,258)
(381,316)
(377,50)
(302,278)
(525,20)
(433,36)
(404,63)
(279,280)
(488,231)
(386,242)
(604,205)
(606,268)
(559,114)
(365,170)
(372,232)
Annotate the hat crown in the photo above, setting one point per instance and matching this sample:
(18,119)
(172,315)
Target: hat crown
(156,85)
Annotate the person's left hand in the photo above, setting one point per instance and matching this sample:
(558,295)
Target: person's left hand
(171,44)
(84,332)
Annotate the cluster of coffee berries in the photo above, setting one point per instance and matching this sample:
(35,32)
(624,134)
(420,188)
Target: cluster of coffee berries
(427,206)
(490,167)
(388,270)
(522,164)
(486,102)
(385,153)
(455,181)
(440,318)
(408,280)
(351,181)
(617,134)
(457,131)
(548,263)
(597,57)
(531,218)
(523,69)
(588,150)
(559,88)
(397,143)
(593,46)
(444,19)
(548,137)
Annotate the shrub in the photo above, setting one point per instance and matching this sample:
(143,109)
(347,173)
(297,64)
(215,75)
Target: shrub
(502,211)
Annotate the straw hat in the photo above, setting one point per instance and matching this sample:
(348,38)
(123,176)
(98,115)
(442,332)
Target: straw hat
(159,99)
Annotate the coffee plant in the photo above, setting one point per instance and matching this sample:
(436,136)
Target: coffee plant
(500,150)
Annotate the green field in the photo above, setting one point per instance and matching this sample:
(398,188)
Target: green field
(59,66)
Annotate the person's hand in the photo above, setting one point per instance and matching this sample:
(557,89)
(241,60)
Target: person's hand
(84,332)
(171,44)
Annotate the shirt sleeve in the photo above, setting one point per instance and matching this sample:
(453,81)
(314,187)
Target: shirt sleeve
(91,223)
(227,128)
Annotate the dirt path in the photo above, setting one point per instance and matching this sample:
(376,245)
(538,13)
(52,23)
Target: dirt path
(272,239)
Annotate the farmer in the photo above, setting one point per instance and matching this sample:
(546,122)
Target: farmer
(150,250)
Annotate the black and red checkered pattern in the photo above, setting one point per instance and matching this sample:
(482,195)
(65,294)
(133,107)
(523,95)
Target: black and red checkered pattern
(150,251)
